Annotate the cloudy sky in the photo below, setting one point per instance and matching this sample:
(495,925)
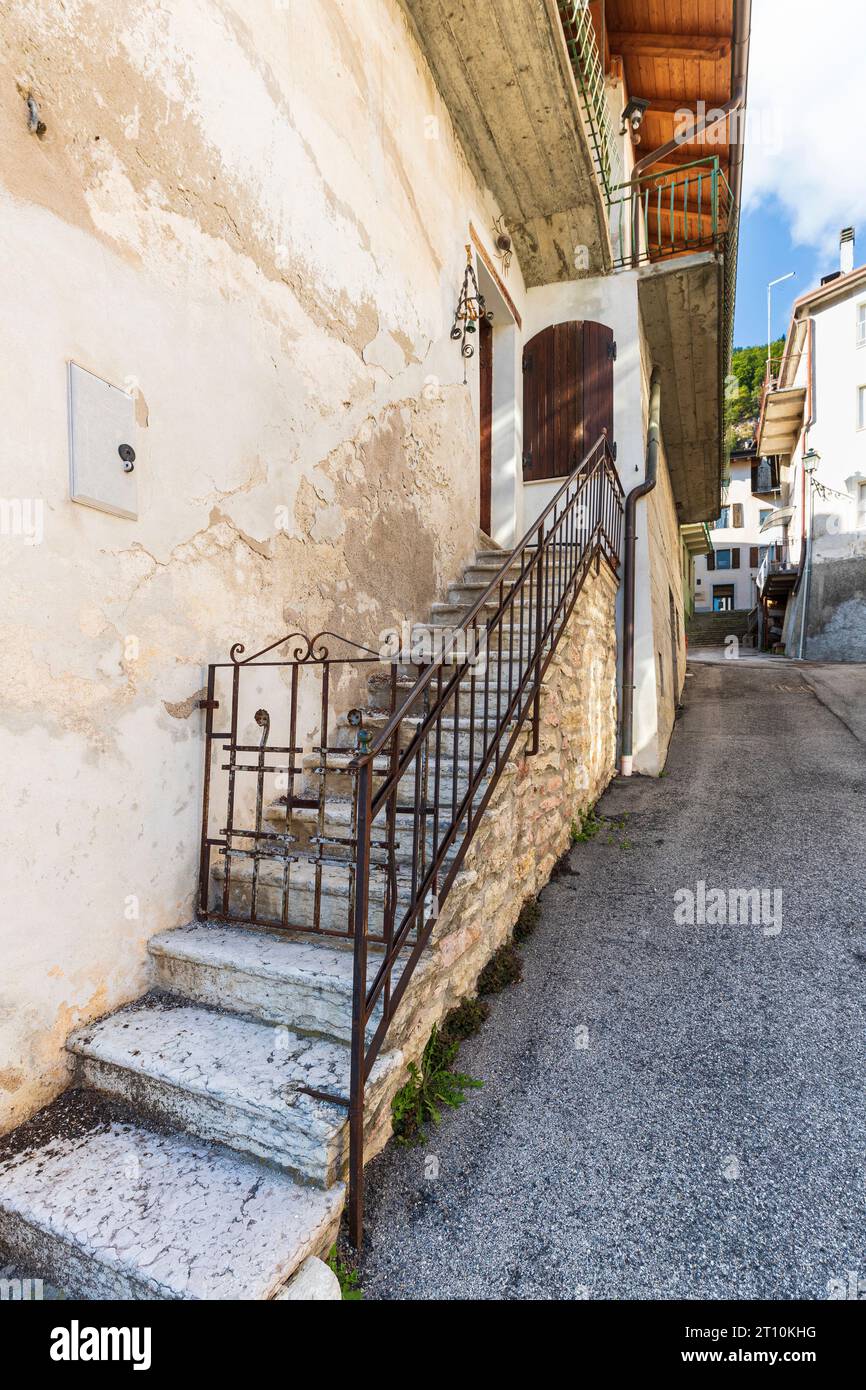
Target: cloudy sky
(805,169)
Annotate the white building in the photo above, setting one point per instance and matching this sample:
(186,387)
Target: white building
(238,405)
(814,420)
(726,580)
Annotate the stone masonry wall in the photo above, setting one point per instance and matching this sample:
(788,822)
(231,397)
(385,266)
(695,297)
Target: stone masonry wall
(526,828)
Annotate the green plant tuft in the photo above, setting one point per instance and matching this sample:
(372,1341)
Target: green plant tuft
(504,968)
(350,1286)
(587,827)
(528,919)
(432,1085)
(464,1021)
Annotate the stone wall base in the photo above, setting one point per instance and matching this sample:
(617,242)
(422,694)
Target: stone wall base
(526,827)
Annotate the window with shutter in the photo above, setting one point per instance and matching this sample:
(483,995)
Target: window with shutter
(567,396)
(711,561)
(754,558)
(735,558)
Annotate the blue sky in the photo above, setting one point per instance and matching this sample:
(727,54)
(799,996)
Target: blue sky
(804,174)
(767,250)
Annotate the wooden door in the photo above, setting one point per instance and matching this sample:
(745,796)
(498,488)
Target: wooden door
(567,396)
(485,377)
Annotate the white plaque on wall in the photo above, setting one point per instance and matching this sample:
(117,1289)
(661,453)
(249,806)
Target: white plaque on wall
(101,444)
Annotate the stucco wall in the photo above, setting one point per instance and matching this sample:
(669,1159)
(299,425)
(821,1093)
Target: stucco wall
(837,597)
(266,252)
(614,301)
(665,578)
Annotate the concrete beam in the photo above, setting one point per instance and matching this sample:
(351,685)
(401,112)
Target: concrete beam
(503,70)
(681,306)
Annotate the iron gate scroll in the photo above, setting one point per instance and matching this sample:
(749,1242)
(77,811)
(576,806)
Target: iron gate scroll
(279,817)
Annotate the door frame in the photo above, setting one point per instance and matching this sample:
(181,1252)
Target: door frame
(485,423)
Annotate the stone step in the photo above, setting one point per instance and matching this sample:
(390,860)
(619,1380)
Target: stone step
(303,983)
(494,559)
(487,569)
(503,639)
(469,733)
(229,1080)
(339,778)
(474,583)
(379,691)
(337,838)
(335,894)
(121,1212)
(451,613)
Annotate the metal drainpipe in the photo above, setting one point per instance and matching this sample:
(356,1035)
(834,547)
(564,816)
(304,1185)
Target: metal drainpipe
(805,535)
(649,482)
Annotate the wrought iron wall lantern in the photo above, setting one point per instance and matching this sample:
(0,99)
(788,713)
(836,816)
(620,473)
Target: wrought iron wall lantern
(504,248)
(470,310)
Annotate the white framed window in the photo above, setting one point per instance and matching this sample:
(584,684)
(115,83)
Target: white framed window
(861,324)
(861,407)
(861,506)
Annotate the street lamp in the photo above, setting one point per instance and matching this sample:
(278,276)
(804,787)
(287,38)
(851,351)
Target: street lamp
(811,459)
(782,278)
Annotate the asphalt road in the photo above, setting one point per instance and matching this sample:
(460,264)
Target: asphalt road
(670,1111)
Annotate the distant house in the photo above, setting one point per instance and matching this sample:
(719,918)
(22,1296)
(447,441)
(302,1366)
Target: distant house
(812,584)
(725,580)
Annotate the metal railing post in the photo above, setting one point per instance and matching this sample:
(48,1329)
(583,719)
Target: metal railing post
(363,793)
(539,619)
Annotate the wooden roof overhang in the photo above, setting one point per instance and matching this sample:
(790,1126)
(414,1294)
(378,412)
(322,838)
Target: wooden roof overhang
(685,56)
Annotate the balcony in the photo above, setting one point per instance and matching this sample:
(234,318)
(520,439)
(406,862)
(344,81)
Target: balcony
(782,409)
(679,212)
(778,571)
(676,231)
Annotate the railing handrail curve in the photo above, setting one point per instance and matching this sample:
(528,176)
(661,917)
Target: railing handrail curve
(468,620)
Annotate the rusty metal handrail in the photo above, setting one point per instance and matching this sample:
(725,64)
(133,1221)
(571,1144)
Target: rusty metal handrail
(580,525)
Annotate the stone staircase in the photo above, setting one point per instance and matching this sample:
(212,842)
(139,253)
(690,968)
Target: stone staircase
(712,629)
(210,1172)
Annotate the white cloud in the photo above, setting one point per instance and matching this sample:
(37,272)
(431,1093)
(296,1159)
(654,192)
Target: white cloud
(804,136)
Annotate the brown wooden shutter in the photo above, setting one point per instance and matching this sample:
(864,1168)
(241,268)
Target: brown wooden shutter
(735,557)
(754,557)
(567,396)
(711,560)
(738,514)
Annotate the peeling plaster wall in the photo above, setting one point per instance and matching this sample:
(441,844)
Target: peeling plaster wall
(252,216)
(665,578)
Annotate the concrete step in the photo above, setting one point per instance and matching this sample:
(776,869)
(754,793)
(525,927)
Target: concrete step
(229,1080)
(302,983)
(121,1212)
